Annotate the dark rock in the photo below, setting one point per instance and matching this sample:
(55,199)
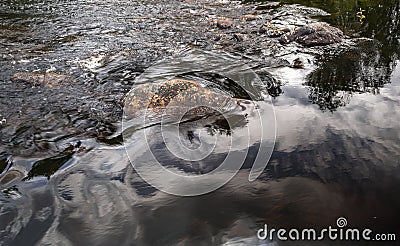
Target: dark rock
(298,63)
(287,38)
(315,34)
(5,161)
(238,37)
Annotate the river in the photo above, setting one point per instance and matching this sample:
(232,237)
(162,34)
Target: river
(65,176)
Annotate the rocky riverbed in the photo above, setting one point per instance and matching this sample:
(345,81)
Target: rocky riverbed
(67,66)
(98,64)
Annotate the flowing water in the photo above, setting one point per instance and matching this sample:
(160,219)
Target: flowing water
(65,176)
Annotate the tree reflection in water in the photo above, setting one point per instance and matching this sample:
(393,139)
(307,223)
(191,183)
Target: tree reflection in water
(364,68)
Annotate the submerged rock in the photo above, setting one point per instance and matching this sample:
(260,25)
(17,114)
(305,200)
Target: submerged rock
(239,37)
(250,17)
(224,23)
(48,79)
(11,176)
(315,34)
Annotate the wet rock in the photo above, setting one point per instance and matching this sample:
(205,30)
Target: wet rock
(10,176)
(285,39)
(250,17)
(48,166)
(268,6)
(238,37)
(221,36)
(224,23)
(315,34)
(273,31)
(47,79)
(175,96)
(298,63)
(4,163)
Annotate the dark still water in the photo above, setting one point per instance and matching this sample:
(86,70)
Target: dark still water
(65,176)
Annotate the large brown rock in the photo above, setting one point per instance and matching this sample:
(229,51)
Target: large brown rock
(315,34)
